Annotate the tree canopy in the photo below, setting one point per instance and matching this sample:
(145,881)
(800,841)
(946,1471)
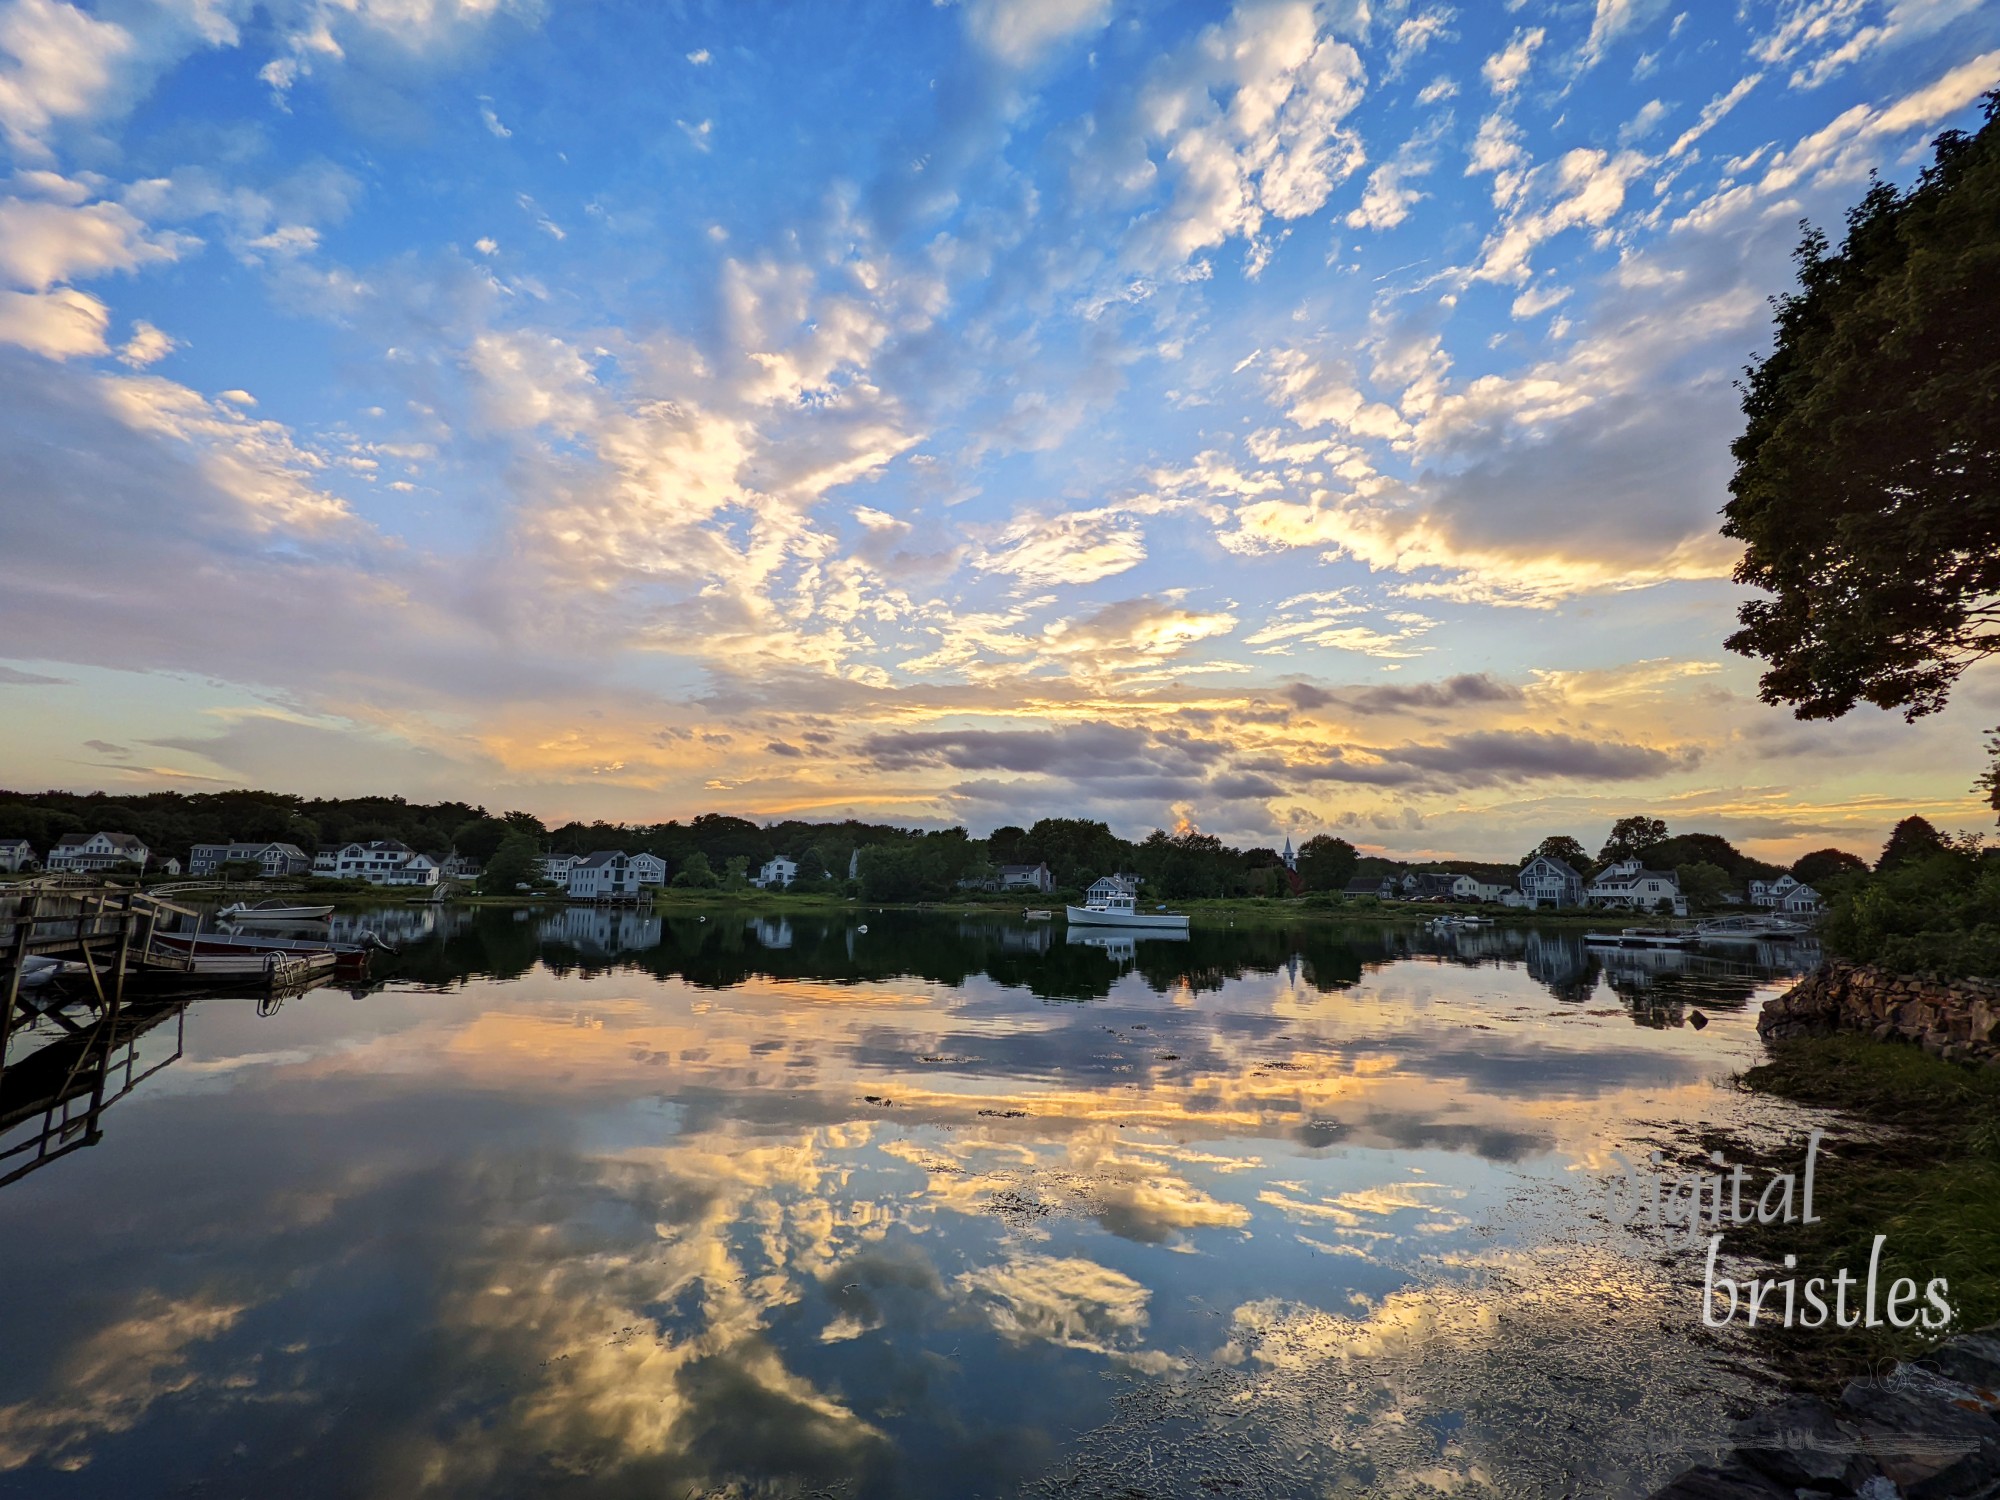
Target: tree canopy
(1867,483)
(1632,837)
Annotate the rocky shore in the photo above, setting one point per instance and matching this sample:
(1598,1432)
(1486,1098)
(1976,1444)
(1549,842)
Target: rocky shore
(1927,1430)
(1957,1020)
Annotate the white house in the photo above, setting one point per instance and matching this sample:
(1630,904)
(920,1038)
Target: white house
(1111,885)
(1027,878)
(606,875)
(1786,894)
(100,851)
(458,866)
(778,872)
(1630,884)
(556,868)
(15,855)
(1550,882)
(271,859)
(379,862)
(652,870)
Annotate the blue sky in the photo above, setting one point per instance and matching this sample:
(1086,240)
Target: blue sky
(1272,417)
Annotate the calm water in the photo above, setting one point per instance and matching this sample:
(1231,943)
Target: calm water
(581,1203)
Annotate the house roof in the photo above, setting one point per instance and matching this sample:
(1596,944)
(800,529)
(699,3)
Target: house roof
(1023,869)
(14,843)
(598,858)
(1364,885)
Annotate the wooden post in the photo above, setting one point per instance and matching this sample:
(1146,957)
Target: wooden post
(10,982)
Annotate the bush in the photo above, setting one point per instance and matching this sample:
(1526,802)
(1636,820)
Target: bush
(1936,914)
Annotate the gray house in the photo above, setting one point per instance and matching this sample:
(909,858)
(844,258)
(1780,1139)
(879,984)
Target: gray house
(1550,882)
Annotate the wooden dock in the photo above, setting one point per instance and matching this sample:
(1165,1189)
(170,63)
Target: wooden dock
(106,929)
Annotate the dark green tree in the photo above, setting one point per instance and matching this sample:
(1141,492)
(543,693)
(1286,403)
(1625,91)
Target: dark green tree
(812,870)
(1703,884)
(1823,864)
(513,865)
(1867,483)
(695,874)
(1912,839)
(1632,838)
(1326,863)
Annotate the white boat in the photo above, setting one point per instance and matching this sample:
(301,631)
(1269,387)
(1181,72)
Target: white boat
(274,911)
(1121,909)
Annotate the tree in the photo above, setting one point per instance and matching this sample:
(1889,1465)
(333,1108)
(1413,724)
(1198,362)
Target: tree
(1631,838)
(1911,839)
(1867,483)
(481,838)
(812,870)
(1326,863)
(1563,848)
(515,863)
(695,874)
(1823,864)
(1703,884)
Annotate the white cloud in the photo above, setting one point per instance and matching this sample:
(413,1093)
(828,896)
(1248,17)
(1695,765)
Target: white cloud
(147,346)
(1020,32)
(1506,69)
(44,242)
(1617,18)
(492,122)
(56,63)
(700,57)
(1073,547)
(62,324)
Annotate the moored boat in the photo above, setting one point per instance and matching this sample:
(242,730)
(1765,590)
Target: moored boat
(350,960)
(1644,937)
(274,911)
(1121,909)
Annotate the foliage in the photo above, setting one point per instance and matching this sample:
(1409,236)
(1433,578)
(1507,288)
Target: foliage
(1631,838)
(905,871)
(1703,884)
(1911,839)
(812,869)
(1937,913)
(695,874)
(1923,1168)
(512,865)
(1326,863)
(1822,865)
(1867,484)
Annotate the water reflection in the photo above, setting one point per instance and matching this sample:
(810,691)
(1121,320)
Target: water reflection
(596,1203)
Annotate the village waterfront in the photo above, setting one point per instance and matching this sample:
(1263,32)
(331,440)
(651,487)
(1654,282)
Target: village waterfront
(583,1200)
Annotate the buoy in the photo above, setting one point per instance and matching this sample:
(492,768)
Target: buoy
(862,928)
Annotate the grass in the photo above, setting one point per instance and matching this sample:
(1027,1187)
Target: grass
(1915,1155)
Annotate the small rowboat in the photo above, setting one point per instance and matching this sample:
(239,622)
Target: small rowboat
(274,911)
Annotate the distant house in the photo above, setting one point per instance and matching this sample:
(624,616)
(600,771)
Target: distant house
(1787,894)
(1027,878)
(1432,885)
(99,851)
(271,859)
(1487,890)
(15,855)
(379,862)
(651,869)
(555,868)
(854,865)
(1111,885)
(1630,884)
(605,875)
(779,871)
(1550,882)
(458,866)
(1381,887)
(170,866)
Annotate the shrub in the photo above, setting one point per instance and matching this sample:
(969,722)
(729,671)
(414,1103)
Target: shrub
(1935,914)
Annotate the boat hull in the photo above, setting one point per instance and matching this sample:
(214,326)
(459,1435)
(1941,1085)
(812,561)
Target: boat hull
(350,959)
(1144,921)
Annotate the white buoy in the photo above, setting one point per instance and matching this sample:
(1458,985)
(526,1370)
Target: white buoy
(862,928)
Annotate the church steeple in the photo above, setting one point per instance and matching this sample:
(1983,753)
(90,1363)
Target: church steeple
(1291,860)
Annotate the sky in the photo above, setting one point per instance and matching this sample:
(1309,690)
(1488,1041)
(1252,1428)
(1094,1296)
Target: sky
(1273,418)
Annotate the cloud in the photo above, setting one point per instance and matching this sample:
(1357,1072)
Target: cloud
(147,346)
(56,63)
(43,242)
(1020,33)
(1615,19)
(14,677)
(1506,69)
(61,324)
(1073,547)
